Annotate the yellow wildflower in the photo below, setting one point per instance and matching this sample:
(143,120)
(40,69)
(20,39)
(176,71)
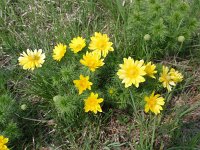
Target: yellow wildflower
(154,103)
(59,51)
(100,43)
(132,72)
(166,79)
(77,44)
(83,84)
(150,70)
(92,103)
(92,60)
(112,91)
(31,59)
(175,75)
(3,142)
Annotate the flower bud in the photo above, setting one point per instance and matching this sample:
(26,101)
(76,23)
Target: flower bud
(147,37)
(181,39)
(24,107)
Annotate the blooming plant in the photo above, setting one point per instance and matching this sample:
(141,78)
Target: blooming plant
(92,103)
(170,78)
(77,44)
(150,70)
(83,84)
(92,61)
(154,103)
(100,46)
(100,43)
(131,72)
(31,59)
(95,69)
(82,78)
(59,51)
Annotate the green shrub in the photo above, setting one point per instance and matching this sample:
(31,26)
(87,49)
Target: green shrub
(162,21)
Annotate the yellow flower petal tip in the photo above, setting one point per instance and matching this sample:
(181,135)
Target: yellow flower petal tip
(154,103)
(100,43)
(92,61)
(30,60)
(82,84)
(92,103)
(77,44)
(59,51)
(132,72)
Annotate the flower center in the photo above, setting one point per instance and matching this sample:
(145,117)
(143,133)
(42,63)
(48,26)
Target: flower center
(148,71)
(34,58)
(92,63)
(92,102)
(111,91)
(132,72)
(152,103)
(102,45)
(167,78)
(78,46)
(83,84)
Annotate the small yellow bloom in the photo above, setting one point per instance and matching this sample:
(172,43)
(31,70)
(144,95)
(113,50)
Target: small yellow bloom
(3,142)
(83,84)
(92,60)
(92,103)
(112,91)
(77,44)
(166,79)
(150,70)
(175,75)
(31,59)
(132,72)
(154,103)
(59,51)
(100,43)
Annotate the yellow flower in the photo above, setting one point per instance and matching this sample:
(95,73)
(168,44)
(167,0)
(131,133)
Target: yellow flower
(100,43)
(77,44)
(31,59)
(59,51)
(92,60)
(154,103)
(3,142)
(112,91)
(132,72)
(175,75)
(166,79)
(92,103)
(83,84)
(150,70)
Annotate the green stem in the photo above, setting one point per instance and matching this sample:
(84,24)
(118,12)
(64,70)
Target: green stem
(179,48)
(153,134)
(146,51)
(133,102)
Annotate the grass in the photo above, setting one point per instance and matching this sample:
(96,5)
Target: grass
(54,118)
